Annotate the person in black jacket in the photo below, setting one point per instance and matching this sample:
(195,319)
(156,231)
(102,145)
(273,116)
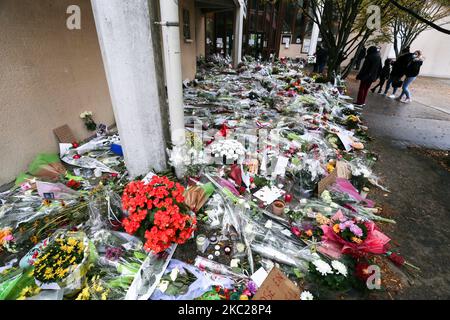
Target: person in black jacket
(369,73)
(360,57)
(321,59)
(385,74)
(412,71)
(398,71)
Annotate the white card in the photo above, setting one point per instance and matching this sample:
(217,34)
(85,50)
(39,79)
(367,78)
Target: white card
(259,276)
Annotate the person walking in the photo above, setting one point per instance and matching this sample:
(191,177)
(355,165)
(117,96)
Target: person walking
(412,71)
(385,74)
(369,73)
(360,57)
(398,71)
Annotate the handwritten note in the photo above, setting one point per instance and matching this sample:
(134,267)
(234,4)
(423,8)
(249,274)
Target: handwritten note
(277,287)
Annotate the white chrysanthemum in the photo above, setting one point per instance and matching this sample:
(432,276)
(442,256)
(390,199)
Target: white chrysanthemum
(323,267)
(339,267)
(306,295)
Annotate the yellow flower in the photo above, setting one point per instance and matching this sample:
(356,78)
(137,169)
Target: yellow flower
(330,168)
(356,240)
(321,219)
(84,294)
(336,228)
(243,297)
(72,242)
(69,249)
(104,295)
(34,239)
(60,272)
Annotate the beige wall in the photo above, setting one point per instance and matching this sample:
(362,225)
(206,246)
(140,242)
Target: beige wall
(188,49)
(48,76)
(435,46)
(200,33)
(294,51)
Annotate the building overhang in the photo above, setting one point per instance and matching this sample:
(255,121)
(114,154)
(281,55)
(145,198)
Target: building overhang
(219,5)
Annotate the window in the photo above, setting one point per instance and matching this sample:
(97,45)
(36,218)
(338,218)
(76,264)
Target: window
(186,24)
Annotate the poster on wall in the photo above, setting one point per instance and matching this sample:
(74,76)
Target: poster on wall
(219,43)
(306,45)
(286,39)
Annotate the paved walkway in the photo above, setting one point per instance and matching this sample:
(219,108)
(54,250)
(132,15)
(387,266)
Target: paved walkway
(411,124)
(420,189)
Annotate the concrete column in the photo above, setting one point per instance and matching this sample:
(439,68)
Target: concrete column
(126,42)
(238,32)
(170,23)
(314,38)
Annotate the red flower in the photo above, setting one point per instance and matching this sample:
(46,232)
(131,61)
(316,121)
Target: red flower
(362,271)
(76,156)
(398,260)
(161,198)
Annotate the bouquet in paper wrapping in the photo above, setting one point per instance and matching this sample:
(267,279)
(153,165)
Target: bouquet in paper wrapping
(64,263)
(352,236)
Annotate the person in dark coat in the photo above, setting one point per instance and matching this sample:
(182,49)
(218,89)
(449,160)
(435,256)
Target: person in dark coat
(411,73)
(398,71)
(360,57)
(321,59)
(369,73)
(385,74)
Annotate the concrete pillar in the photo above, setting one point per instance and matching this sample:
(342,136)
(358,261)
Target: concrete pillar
(238,32)
(170,24)
(126,42)
(314,38)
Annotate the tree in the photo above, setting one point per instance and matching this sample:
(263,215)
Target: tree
(344,27)
(406,27)
(422,19)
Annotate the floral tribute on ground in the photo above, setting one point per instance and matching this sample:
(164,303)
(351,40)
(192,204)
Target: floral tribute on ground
(157,213)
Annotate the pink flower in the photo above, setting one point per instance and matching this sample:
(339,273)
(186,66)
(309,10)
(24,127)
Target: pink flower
(9,237)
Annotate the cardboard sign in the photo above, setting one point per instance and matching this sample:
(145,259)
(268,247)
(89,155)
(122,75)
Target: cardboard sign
(64,134)
(327,182)
(277,287)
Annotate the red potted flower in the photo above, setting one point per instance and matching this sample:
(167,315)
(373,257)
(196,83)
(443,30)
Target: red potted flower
(157,214)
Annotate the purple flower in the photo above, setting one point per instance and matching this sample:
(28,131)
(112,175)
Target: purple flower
(346,224)
(113,253)
(252,287)
(357,231)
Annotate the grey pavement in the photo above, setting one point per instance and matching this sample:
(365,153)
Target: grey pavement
(413,124)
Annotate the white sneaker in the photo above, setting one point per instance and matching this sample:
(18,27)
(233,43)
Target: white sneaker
(407,101)
(392,96)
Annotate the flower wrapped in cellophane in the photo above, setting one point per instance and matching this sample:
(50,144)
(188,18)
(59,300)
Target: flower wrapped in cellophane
(64,263)
(352,236)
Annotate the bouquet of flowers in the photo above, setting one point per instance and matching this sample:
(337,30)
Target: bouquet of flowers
(353,236)
(157,213)
(334,276)
(231,150)
(7,240)
(88,120)
(64,261)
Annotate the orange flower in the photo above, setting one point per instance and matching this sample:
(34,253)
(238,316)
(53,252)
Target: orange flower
(309,233)
(356,240)
(336,228)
